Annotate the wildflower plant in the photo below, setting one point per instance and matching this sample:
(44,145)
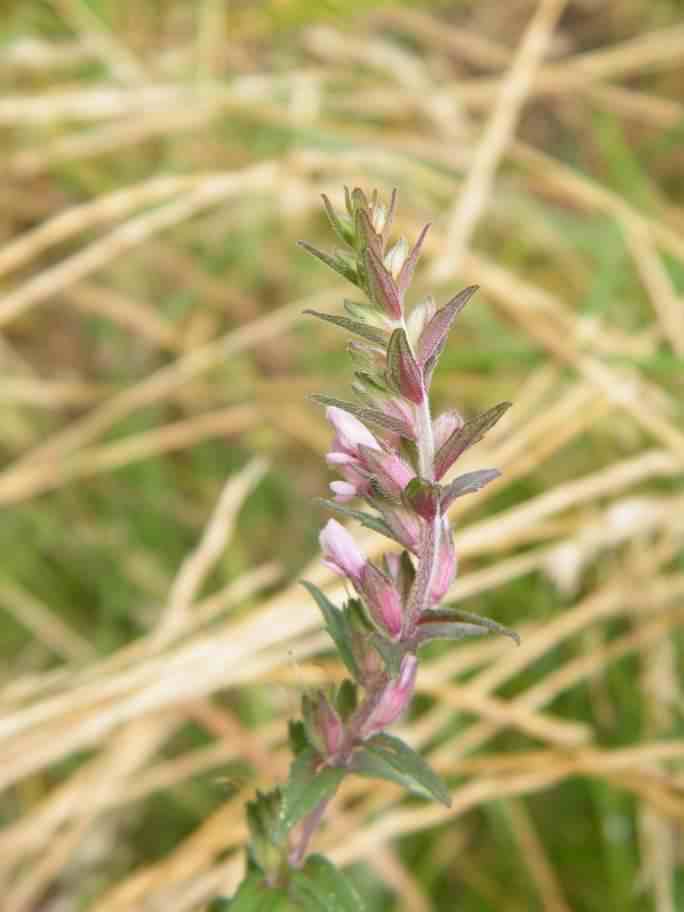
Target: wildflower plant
(392,454)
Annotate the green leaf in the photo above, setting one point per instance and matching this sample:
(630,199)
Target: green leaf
(467,484)
(366,519)
(335,625)
(468,434)
(306,788)
(369,415)
(296,732)
(387,757)
(434,336)
(254,895)
(370,333)
(453,624)
(336,263)
(320,887)
(342,227)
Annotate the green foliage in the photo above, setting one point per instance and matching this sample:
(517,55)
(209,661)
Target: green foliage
(388,757)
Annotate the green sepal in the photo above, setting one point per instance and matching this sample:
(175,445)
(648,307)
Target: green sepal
(321,887)
(387,757)
(336,626)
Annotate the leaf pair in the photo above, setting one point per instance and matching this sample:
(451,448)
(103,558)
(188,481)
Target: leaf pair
(318,887)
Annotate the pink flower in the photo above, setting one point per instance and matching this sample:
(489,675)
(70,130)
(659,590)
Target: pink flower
(447,565)
(344,490)
(350,432)
(391,473)
(394,699)
(358,456)
(383,600)
(340,552)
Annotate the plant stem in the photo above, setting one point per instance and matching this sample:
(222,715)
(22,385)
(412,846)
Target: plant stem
(308,828)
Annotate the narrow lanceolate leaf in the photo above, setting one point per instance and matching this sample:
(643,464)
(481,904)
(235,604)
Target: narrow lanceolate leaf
(387,757)
(321,887)
(470,433)
(366,519)
(434,337)
(466,484)
(306,788)
(389,218)
(406,274)
(377,336)
(366,235)
(403,371)
(382,286)
(343,229)
(452,624)
(335,625)
(336,263)
(369,415)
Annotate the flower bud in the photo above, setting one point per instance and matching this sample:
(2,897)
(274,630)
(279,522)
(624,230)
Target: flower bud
(379,217)
(350,432)
(383,601)
(394,699)
(324,726)
(392,474)
(418,319)
(395,257)
(266,844)
(423,497)
(340,552)
(447,565)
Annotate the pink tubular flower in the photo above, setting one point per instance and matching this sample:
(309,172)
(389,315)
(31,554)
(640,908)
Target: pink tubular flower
(340,552)
(383,600)
(344,454)
(446,565)
(394,699)
(358,456)
(350,432)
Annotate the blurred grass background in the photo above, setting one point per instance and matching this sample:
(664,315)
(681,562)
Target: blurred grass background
(159,161)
